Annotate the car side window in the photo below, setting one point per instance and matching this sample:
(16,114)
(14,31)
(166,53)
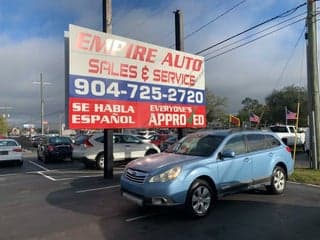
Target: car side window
(236,144)
(256,142)
(11,143)
(271,141)
(292,129)
(116,139)
(130,139)
(99,139)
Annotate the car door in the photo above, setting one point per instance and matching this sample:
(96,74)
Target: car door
(235,172)
(262,149)
(133,147)
(118,147)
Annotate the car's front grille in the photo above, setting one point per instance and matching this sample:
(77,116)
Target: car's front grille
(135,176)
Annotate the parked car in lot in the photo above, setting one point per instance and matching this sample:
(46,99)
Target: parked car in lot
(125,146)
(35,140)
(207,165)
(53,148)
(158,139)
(10,151)
(143,139)
(168,143)
(81,139)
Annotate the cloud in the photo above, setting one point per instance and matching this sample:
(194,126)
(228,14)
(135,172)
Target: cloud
(21,65)
(250,71)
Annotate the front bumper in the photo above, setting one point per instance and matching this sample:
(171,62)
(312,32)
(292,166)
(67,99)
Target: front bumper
(153,194)
(153,201)
(60,155)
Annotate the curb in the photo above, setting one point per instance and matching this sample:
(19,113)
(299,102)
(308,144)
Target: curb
(305,184)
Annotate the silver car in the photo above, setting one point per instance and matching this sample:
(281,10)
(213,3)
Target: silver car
(125,146)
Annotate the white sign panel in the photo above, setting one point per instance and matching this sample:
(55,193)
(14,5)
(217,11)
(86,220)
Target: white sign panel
(116,82)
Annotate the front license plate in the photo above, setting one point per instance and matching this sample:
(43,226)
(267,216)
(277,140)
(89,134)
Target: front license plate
(133,198)
(3,152)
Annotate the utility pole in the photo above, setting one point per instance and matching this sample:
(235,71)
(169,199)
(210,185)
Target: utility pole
(108,133)
(179,35)
(313,83)
(41,101)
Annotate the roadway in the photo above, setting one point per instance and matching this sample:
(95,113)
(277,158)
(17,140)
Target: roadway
(63,200)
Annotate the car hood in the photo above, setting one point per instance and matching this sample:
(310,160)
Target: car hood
(161,160)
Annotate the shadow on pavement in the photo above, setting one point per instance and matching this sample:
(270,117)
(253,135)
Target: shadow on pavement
(254,215)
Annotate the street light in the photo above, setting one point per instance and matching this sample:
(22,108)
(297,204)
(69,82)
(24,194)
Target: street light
(41,100)
(5,114)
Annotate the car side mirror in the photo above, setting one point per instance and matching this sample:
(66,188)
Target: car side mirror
(228,154)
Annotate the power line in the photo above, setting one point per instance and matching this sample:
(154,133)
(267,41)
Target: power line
(212,21)
(215,19)
(290,57)
(284,14)
(254,34)
(253,40)
(153,14)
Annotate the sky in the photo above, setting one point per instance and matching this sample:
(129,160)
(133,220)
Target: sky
(32,42)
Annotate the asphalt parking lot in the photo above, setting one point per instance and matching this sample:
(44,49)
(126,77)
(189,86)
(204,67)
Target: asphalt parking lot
(63,200)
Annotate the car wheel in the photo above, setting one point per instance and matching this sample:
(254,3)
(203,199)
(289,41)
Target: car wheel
(151,151)
(200,198)
(45,159)
(19,163)
(100,161)
(278,181)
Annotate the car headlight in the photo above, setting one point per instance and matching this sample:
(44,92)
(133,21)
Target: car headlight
(168,175)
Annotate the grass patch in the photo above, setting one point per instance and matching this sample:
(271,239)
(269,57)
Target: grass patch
(303,175)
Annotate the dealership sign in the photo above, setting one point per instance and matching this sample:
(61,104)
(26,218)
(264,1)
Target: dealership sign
(116,82)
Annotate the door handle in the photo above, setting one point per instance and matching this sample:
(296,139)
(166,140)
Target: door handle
(246,160)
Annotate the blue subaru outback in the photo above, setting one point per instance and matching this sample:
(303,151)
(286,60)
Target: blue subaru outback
(206,165)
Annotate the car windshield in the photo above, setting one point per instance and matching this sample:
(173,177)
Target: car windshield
(60,140)
(198,145)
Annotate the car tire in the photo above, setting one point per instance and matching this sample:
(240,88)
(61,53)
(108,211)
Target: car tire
(100,161)
(278,181)
(151,151)
(200,199)
(45,159)
(19,163)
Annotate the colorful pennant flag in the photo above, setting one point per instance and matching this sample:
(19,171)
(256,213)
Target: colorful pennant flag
(234,120)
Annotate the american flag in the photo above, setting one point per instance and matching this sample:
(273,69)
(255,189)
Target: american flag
(291,115)
(254,118)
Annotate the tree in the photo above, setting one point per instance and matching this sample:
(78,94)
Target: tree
(251,105)
(215,107)
(3,126)
(286,97)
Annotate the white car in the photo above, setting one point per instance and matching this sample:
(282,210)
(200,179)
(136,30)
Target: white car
(125,146)
(10,150)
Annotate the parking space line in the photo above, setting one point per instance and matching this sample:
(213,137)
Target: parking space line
(71,178)
(48,177)
(306,184)
(9,174)
(140,217)
(97,189)
(38,165)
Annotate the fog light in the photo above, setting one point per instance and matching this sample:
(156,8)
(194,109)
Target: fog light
(159,201)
